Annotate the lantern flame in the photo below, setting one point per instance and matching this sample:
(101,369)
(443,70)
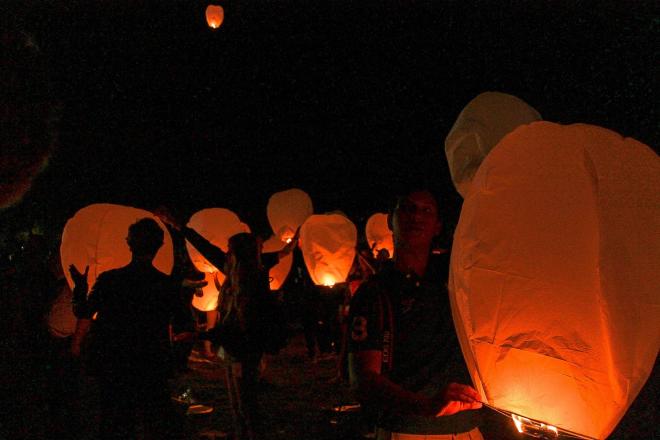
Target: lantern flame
(328,280)
(534,428)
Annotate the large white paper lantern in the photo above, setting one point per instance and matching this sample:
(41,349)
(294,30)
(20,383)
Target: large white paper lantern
(216,225)
(554,275)
(328,247)
(379,235)
(287,210)
(280,271)
(96,237)
(479,127)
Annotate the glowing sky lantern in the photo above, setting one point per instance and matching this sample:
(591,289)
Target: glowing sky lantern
(96,236)
(554,275)
(470,139)
(280,271)
(215,15)
(287,210)
(379,234)
(216,225)
(328,247)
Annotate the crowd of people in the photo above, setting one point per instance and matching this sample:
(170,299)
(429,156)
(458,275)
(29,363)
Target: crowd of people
(389,326)
(135,328)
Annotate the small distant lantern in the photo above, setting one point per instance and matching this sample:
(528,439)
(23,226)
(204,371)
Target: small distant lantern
(379,234)
(328,247)
(216,225)
(215,15)
(287,210)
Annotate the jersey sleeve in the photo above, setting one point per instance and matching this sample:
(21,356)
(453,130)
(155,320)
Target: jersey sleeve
(365,320)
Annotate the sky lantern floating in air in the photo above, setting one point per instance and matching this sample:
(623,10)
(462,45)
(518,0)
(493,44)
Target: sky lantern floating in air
(216,225)
(328,246)
(379,234)
(96,237)
(554,279)
(215,15)
(280,271)
(287,210)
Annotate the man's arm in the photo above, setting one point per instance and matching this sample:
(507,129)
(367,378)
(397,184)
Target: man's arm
(373,387)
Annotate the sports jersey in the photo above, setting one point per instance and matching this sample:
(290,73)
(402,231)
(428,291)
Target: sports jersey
(408,318)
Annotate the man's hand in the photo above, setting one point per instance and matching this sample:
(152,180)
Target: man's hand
(455,398)
(79,279)
(166,217)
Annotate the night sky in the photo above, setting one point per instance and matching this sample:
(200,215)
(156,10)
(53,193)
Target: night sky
(347,100)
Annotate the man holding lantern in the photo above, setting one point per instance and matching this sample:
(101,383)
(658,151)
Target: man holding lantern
(404,359)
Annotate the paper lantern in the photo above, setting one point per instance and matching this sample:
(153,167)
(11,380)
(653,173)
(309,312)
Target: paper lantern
(216,225)
(328,247)
(554,275)
(479,127)
(287,210)
(96,237)
(280,271)
(215,15)
(379,234)
(61,320)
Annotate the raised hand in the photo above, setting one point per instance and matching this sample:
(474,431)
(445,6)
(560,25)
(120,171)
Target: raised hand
(457,397)
(79,279)
(166,217)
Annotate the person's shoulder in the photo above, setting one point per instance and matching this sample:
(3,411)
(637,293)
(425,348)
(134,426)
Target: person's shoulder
(371,289)
(111,274)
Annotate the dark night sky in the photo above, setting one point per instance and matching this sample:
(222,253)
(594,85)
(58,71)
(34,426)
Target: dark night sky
(344,99)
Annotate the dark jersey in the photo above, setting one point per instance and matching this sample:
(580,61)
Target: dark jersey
(423,355)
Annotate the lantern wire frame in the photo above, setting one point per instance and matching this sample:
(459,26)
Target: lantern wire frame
(538,429)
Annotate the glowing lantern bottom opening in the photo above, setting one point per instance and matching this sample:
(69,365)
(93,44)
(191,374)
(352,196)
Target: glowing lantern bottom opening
(328,280)
(533,428)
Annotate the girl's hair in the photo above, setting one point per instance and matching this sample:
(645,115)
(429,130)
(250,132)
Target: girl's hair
(245,248)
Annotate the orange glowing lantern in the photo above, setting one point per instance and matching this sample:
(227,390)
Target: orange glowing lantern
(379,234)
(280,271)
(215,15)
(471,138)
(96,237)
(216,225)
(328,247)
(287,210)
(554,279)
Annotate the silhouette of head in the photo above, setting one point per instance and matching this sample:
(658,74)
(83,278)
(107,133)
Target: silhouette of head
(245,248)
(145,237)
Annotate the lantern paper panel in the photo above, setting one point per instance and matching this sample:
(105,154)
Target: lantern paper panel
(280,271)
(328,247)
(215,15)
(379,234)
(479,127)
(554,278)
(287,210)
(96,237)
(61,320)
(210,297)
(216,225)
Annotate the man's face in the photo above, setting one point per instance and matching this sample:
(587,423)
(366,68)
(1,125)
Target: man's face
(415,219)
